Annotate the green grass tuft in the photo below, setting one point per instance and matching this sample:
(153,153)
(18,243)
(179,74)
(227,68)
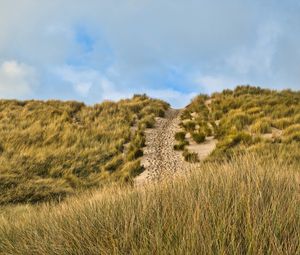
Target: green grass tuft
(198,137)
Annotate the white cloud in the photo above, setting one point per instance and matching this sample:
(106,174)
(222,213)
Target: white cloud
(257,58)
(81,80)
(90,83)
(176,98)
(93,84)
(17,80)
(83,88)
(210,84)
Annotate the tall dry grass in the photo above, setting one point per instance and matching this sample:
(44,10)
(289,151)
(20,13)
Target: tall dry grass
(245,206)
(246,118)
(52,149)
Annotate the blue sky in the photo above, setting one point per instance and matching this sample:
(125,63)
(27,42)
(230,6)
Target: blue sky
(171,49)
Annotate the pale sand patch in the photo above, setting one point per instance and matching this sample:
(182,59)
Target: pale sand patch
(203,149)
(208,104)
(275,133)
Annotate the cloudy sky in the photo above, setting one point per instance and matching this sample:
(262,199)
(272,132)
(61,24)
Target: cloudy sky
(92,50)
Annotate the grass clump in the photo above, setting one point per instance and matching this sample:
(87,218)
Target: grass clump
(198,137)
(134,153)
(282,123)
(261,126)
(238,119)
(130,170)
(292,134)
(189,126)
(190,157)
(233,143)
(114,164)
(254,110)
(148,122)
(291,129)
(297,118)
(186,115)
(139,141)
(181,145)
(180,136)
(295,137)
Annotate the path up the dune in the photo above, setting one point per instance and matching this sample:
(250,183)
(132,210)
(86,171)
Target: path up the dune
(160,160)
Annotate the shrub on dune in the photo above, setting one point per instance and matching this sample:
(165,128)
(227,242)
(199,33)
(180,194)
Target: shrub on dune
(198,137)
(190,157)
(180,136)
(261,126)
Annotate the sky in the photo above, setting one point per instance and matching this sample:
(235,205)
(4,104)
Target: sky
(91,51)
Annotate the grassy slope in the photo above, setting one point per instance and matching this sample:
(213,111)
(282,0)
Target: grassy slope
(246,206)
(51,149)
(250,119)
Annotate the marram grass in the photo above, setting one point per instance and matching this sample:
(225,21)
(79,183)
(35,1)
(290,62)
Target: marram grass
(246,118)
(52,149)
(243,206)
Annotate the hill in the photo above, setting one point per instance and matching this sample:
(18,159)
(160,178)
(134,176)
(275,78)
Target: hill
(239,197)
(51,149)
(247,119)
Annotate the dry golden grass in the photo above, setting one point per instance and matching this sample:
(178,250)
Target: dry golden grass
(52,149)
(246,203)
(245,206)
(241,118)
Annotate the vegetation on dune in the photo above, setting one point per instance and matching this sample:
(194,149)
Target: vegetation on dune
(198,137)
(245,206)
(246,118)
(261,126)
(180,136)
(181,145)
(51,149)
(244,199)
(190,157)
(189,126)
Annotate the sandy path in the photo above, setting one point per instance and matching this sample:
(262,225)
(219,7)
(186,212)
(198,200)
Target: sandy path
(160,159)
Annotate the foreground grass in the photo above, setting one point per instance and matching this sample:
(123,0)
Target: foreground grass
(245,206)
